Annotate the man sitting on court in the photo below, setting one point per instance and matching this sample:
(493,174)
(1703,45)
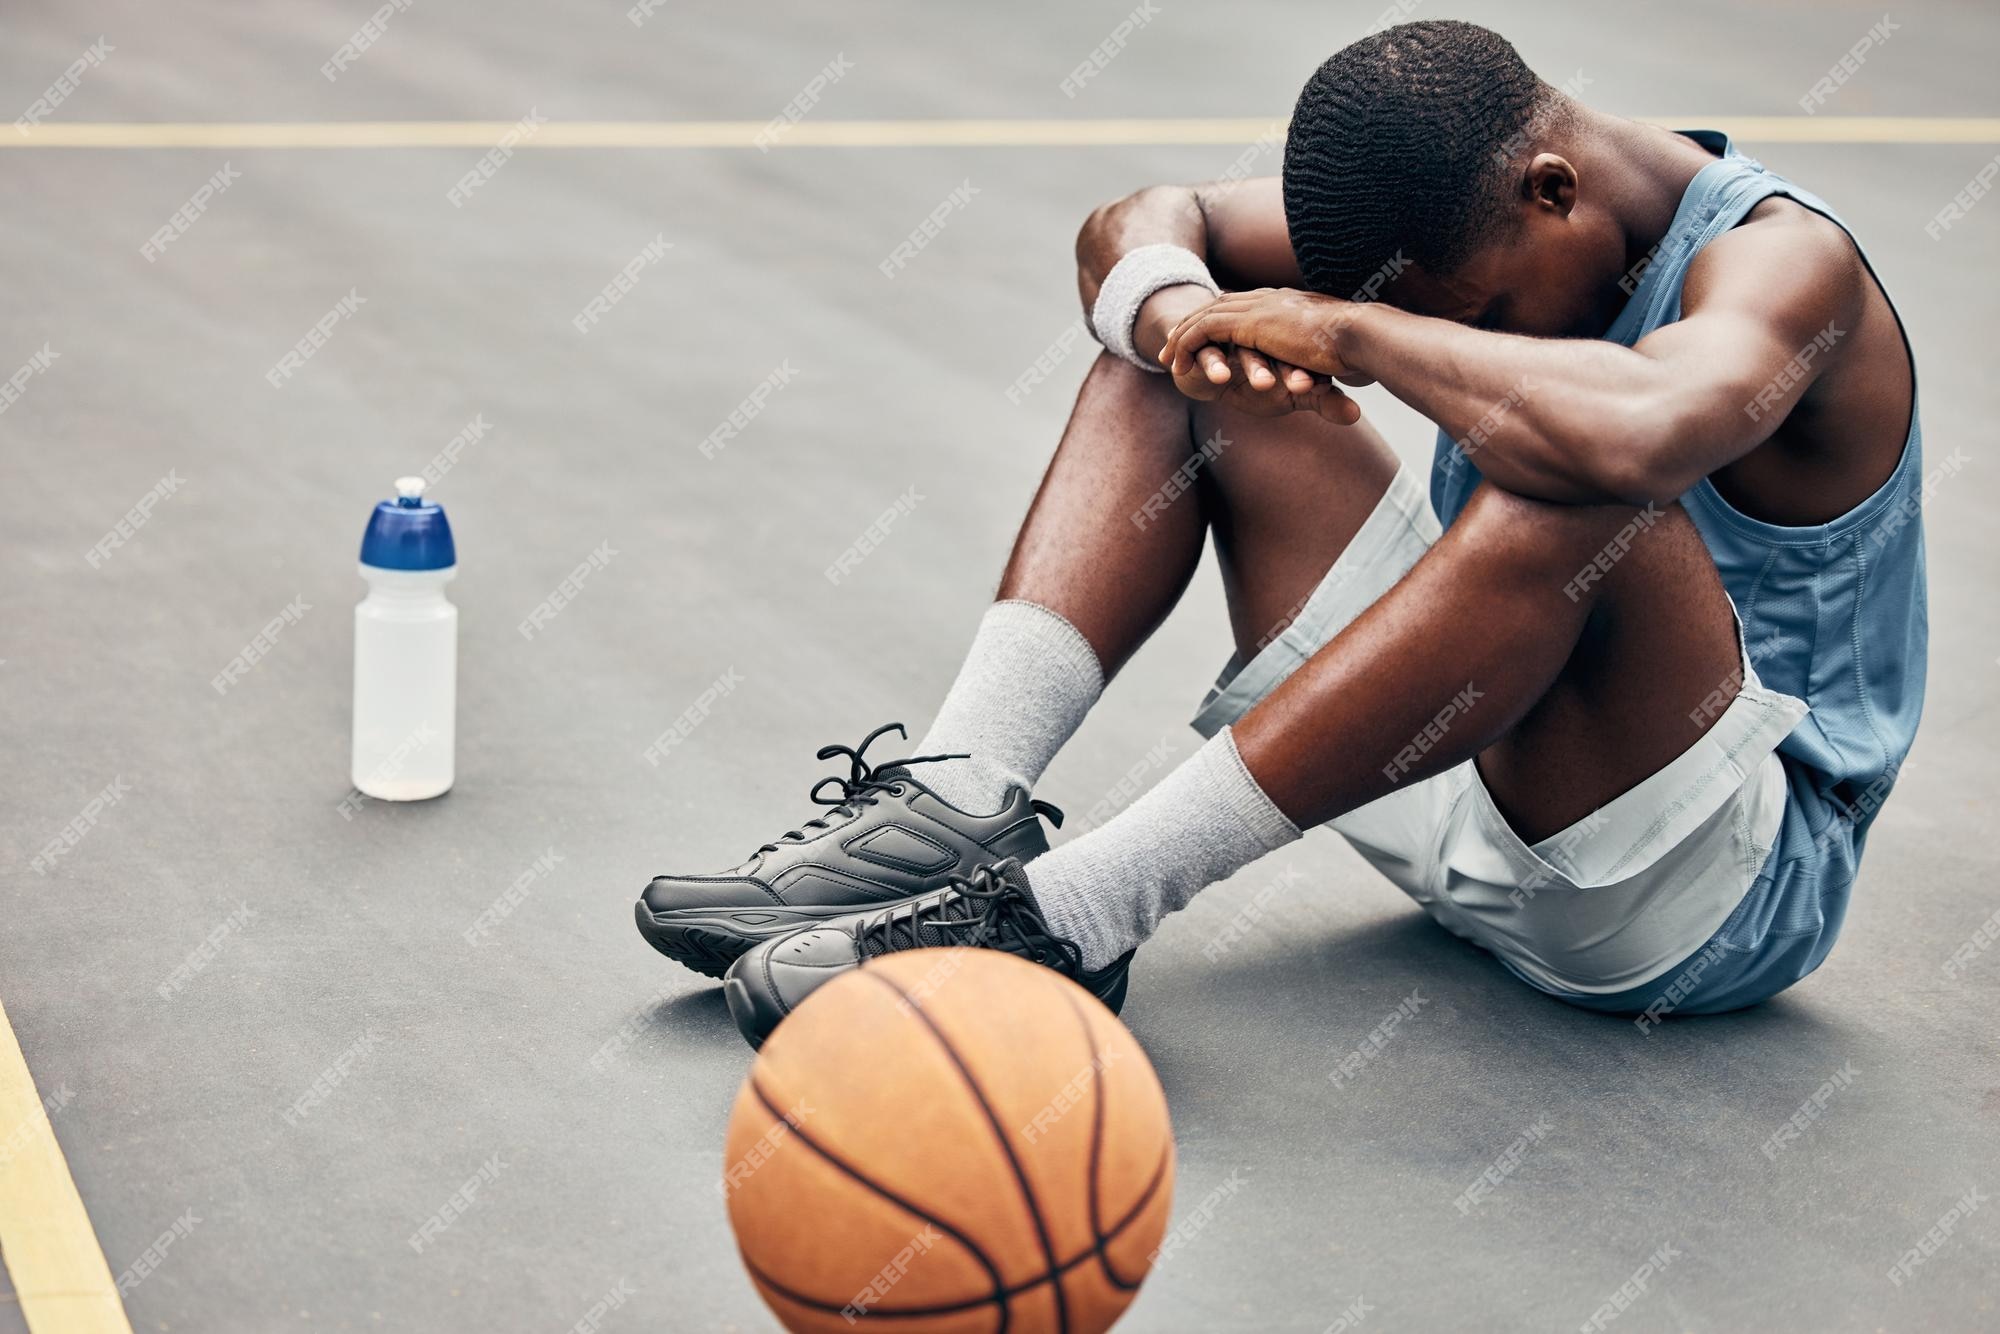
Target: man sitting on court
(1618,700)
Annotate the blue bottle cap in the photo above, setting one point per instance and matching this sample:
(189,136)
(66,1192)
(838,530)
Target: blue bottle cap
(409,532)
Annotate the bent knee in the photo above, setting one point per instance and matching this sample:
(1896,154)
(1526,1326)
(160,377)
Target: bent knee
(1303,446)
(1113,376)
(1122,409)
(1587,549)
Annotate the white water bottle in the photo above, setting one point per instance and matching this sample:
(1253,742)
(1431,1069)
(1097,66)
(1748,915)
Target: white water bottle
(406,651)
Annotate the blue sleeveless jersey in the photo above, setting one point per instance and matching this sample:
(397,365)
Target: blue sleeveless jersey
(1834,614)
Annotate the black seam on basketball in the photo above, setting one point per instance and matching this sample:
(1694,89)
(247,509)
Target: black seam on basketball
(1098,1239)
(1002,1295)
(1116,1279)
(1102,1248)
(985,1261)
(878,1312)
(999,1137)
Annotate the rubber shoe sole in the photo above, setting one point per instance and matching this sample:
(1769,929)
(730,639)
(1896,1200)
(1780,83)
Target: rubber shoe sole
(1109,986)
(741,1009)
(708,940)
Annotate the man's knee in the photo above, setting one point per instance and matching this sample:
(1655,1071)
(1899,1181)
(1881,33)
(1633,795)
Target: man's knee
(1654,606)
(1116,378)
(1655,659)
(1120,406)
(1300,450)
(1586,550)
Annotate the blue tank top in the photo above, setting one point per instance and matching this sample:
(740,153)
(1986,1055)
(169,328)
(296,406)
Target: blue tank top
(1834,613)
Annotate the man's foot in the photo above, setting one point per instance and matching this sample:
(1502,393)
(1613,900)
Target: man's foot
(886,838)
(991,908)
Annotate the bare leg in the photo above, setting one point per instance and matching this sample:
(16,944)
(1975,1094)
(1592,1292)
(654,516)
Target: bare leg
(1284,495)
(1578,697)
(1288,495)
(1568,693)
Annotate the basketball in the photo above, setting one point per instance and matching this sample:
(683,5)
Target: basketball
(949,1140)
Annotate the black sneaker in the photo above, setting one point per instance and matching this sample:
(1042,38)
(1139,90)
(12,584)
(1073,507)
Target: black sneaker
(885,839)
(992,908)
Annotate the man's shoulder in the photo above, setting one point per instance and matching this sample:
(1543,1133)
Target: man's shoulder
(1781,249)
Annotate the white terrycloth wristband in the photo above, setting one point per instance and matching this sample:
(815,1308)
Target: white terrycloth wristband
(1132,279)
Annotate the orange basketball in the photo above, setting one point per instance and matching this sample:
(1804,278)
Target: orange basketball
(949,1140)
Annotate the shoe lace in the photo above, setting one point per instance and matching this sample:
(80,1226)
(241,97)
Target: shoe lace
(983,909)
(863,785)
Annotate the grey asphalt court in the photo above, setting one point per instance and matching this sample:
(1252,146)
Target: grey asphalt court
(354,1041)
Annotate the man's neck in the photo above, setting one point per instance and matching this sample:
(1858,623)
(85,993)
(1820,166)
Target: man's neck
(1641,174)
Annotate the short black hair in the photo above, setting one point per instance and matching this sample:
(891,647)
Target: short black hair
(1400,145)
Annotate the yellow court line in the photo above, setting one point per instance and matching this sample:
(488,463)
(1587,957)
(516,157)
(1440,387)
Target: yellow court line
(52,1256)
(881,133)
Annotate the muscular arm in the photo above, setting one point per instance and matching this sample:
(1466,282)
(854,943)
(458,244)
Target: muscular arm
(1238,227)
(1764,312)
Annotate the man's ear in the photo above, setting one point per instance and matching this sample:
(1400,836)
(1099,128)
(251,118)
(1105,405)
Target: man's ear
(1551,183)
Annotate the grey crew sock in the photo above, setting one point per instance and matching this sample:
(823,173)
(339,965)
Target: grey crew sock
(1028,680)
(1204,822)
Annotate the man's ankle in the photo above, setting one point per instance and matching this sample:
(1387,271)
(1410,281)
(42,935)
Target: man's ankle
(1028,680)
(974,785)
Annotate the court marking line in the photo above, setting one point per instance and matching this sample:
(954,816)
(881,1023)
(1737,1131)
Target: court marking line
(53,1258)
(883,133)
